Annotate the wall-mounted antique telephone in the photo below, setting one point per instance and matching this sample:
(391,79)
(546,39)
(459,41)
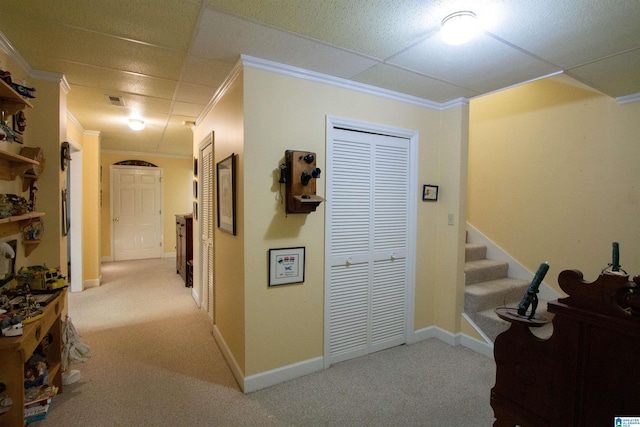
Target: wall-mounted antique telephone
(299,173)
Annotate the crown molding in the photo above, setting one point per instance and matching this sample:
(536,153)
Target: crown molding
(233,75)
(301,73)
(6,45)
(628,99)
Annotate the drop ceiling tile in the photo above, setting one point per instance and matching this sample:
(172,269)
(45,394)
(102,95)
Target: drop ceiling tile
(195,94)
(82,47)
(620,71)
(482,65)
(206,72)
(403,81)
(177,141)
(225,37)
(571,32)
(186,109)
(120,82)
(166,23)
(87,96)
(376,28)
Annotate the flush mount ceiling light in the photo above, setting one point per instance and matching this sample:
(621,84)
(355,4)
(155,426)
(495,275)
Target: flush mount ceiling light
(459,27)
(136,124)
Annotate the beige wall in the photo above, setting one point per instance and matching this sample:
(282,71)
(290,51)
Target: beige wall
(553,176)
(90,145)
(284,325)
(226,120)
(177,188)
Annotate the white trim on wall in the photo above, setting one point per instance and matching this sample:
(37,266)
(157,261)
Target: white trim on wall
(301,73)
(516,269)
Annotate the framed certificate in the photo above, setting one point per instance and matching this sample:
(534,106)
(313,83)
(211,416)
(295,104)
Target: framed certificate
(286,266)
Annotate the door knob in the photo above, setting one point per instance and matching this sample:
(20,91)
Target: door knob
(393,256)
(116,219)
(348,261)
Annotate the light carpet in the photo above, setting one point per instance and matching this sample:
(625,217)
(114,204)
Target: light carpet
(154,362)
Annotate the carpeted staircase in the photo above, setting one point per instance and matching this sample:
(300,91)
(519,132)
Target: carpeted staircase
(489,286)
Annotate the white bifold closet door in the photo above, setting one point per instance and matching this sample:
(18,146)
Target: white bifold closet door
(207,219)
(367,235)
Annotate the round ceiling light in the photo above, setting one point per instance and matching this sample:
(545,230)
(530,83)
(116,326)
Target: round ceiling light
(459,27)
(136,124)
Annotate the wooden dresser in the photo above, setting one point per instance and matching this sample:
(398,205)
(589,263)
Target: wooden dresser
(587,373)
(184,244)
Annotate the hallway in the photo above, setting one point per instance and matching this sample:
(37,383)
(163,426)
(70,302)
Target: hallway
(154,362)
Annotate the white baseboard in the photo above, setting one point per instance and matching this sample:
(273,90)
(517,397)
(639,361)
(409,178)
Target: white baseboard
(93,283)
(268,378)
(280,375)
(226,352)
(454,340)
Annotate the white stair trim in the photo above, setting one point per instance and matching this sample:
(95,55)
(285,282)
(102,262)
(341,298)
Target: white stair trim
(516,269)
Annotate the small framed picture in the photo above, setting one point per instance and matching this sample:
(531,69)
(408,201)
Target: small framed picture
(286,266)
(226,194)
(430,193)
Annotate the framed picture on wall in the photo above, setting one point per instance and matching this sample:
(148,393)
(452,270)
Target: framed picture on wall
(430,193)
(286,266)
(226,194)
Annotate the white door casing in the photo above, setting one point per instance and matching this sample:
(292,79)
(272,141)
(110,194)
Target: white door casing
(136,212)
(370,238)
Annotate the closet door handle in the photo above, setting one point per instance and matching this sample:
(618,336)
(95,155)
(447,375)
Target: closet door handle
(393,256)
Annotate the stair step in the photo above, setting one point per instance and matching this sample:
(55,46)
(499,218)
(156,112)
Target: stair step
(475,252)
(484,270)
(492,326)
(493,293)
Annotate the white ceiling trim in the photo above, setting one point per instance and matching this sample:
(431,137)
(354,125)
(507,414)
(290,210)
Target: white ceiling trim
(628,99)
(14,54)
(301,73)
(233,75)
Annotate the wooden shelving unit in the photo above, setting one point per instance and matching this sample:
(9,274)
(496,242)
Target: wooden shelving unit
(10,101)
(15,351)
(13,165)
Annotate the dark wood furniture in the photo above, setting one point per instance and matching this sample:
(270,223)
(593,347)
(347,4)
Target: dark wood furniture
(15,351)
(184,244)
(586,373)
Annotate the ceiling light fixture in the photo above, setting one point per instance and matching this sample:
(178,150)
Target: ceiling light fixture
(136,124)
(459,27)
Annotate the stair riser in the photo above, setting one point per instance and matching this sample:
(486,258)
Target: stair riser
(485,274)
(475,253)
(475,303)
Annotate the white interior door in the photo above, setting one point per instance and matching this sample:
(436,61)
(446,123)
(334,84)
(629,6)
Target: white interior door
(369,243)
(206,187)
(136,201)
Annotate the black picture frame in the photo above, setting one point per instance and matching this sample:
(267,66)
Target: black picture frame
(286,266)
(226,194)
(430,193)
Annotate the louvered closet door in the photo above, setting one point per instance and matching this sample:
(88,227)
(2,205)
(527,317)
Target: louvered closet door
(207,218)
(368,241)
